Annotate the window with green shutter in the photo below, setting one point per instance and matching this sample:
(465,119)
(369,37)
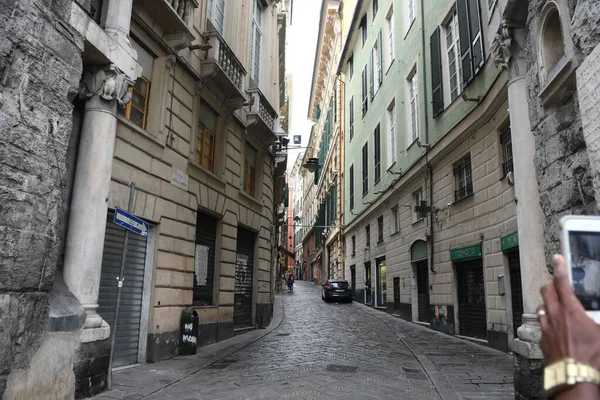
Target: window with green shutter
(437,100)
(471,39)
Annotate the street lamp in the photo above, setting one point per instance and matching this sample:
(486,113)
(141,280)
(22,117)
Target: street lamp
(312,164)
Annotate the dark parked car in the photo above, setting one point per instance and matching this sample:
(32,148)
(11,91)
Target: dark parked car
(336,290)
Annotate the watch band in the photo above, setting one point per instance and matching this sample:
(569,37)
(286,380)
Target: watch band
(567,372)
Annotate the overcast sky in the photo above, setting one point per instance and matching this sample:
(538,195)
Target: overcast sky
(300,58)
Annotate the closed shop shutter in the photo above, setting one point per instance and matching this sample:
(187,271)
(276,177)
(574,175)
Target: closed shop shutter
(471,299)
(244,267)
(130,311)
(206,234)
(516,289)
(423,291)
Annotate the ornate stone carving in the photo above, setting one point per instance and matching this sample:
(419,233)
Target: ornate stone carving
(501,46)
(106,84)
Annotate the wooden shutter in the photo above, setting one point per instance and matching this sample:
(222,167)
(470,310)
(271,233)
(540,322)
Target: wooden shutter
(476,35)
(436,74)
(365,96)
(371,66)
(465,41)
(352,187)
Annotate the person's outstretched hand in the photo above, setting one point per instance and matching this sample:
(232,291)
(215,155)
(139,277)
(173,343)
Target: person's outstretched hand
(567,331)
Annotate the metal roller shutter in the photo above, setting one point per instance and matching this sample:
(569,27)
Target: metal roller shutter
(516,291)
(206,234)
(128,332)
(423,291)
(242,311)
(471,299)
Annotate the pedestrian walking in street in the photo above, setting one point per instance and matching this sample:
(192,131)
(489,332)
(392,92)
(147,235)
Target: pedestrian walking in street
(570,340)
(290,283)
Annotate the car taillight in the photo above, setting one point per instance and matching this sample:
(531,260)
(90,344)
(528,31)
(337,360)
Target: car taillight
(327,287)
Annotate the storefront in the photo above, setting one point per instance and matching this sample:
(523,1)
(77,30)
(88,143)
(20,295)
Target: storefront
(244,278)
(470,288)
(381,282)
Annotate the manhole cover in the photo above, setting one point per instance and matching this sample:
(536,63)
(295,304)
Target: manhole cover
(283,334)
(340,368)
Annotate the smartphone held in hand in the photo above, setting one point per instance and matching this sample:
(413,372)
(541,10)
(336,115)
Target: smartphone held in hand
(580,241)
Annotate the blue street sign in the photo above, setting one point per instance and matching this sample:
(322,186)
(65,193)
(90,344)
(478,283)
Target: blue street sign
(130,222)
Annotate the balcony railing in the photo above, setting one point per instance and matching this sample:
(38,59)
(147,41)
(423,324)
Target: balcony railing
(262,115)
(221,65)
(176,17)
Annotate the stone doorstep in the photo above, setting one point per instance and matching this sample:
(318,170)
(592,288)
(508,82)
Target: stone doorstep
(154,374)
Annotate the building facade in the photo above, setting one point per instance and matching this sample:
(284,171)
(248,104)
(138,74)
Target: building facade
(324,146)
(296,181)
(179,99)
(431,228)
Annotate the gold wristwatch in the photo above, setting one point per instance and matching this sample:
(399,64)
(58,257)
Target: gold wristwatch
(562,374)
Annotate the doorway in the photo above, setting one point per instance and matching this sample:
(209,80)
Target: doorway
(423,291)
(471,299)
(381,283)
(244,271)
(353,280)
(396,294)
(516,291)
(368,283)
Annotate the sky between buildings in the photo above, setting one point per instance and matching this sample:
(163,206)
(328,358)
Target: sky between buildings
(300,58)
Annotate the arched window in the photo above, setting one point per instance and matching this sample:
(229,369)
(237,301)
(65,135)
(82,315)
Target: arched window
(552,43)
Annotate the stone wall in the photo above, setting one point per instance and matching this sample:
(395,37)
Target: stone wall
(40,65)
(562,163)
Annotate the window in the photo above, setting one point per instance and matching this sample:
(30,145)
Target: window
(413,100)
(205,137)
(377,151)
(380,229)
(368,236)
(256,41)
(452,52)
(351,117)
(378,62)
(351,66)
(375,8)
(365,169)
(417,198)
(411,12)
(470,39)
(353,245)
(352,187)
(506,143)
(363,28)
(250,158)
(391,149)
(552,46)
(372,73)
(396,220)
(216,14)
(136,110)
(365,98)
(463,179)
(390,33)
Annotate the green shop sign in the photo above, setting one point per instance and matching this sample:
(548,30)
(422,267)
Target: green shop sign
(466,252)
(509,241)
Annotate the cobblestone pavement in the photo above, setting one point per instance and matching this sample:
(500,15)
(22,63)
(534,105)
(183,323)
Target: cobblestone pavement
(330,351)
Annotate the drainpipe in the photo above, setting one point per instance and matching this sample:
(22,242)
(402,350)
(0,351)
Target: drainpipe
(341,161)
(427,144)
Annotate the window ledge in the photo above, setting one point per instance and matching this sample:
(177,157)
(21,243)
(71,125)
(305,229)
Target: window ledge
(377,182)
(395,233)
(139,130)
(390,66)
(252,199)
(463,198)
(389,169)
(204,307)
(379,242)
(557,84)
(418,220)
(410,27)
(203,170)
(412,144)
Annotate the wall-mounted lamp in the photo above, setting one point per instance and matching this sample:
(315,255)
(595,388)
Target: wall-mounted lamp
(312,164)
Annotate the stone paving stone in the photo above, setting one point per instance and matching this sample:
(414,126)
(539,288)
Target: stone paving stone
(333,351)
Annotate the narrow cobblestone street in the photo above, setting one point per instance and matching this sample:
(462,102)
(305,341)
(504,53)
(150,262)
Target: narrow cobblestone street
(324,350)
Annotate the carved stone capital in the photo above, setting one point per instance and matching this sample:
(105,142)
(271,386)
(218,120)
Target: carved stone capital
(105,87)
(170,61)
(501,46)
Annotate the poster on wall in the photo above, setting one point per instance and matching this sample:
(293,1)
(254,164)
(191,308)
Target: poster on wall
(201,265)
(241,270)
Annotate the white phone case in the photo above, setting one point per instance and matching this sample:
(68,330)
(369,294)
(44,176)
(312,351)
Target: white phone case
(583,225)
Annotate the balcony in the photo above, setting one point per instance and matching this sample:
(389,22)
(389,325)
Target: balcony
(262,116)
(176,18)
(222,67)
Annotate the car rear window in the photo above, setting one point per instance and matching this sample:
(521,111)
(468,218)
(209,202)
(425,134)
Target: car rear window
(341,285)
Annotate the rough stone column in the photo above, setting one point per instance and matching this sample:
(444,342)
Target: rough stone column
(510,54)
(104,88)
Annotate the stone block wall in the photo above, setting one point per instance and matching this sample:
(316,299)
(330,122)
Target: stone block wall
(562,163)
(40,66)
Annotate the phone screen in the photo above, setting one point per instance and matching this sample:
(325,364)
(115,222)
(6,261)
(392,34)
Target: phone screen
(585,267)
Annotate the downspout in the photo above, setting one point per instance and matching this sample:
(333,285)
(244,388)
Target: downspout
(427,144)
(340,213)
